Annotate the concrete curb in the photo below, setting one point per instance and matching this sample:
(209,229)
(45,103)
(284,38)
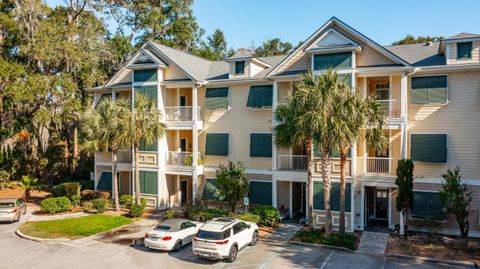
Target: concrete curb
(42,240)
(320,246)
(436,261)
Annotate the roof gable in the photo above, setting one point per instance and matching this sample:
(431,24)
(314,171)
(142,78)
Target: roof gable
(331,39)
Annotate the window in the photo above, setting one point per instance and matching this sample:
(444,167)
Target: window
(210,190)
(148,182)
(147,146)
(260,145)
(260,193)
(216,144)
(260,96)
(105,182)
(347,78)
(340,60)
(216,98)
(319,201)
(186,225)
(427,205)
(149,91)
(429,90)
(239,67)
(464,50)
(431,148)
(145,75)
(237,228)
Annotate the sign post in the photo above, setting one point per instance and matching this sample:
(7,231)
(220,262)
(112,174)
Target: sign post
(246,202)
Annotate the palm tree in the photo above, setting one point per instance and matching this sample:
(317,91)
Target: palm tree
(102,128)
(306,119)
(29,184)
(352,114)
(143,125)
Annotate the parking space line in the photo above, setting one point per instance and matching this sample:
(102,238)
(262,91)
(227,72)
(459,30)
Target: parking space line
(326,260)
(267,261)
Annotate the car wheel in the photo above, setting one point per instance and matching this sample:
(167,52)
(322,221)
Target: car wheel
(178,246)
(254,239)
(232,255)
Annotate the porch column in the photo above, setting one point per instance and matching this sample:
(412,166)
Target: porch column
(274,106)
(274,191)
(353,162)
(403,96)
(195,127)
(114,96)
(194,185)
(290,201)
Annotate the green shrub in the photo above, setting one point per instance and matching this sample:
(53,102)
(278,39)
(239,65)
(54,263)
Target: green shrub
(170,214)
(126,200)
(71,189)
(136,211)
(100,205)
(59,190)
(55,205)
(87,184)
(87,205)
(205,214)
(248,217)
(75,199)
(268,215)
(317,236)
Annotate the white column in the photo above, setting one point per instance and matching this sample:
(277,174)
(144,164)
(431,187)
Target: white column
(290,201)
(403,96)
(114,96)
(274,191)
(402,229)
(274,106)
(195,142)
(353,162)
(194,185)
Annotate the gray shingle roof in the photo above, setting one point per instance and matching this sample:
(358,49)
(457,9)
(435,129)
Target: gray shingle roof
(419,54)
(241,53)
(463,35)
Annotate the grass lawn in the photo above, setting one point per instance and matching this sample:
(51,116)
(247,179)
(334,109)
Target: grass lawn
(73,228)
(317,236)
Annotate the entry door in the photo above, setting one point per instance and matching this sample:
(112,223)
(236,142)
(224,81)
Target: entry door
(183,190)
(381,204)
(183,144)
(183,100)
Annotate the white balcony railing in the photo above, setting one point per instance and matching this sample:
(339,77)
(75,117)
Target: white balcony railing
(377,165)
(292,163)
(181,158)
(391,108)
(181,113)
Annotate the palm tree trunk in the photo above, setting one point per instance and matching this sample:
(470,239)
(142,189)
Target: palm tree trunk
(343,185)
(115,180)
(138,199)
(310,184)
(327,186)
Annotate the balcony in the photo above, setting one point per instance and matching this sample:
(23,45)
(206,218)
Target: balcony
(180,162)
(181,117)
(391,108)
(383,166)
(295,163)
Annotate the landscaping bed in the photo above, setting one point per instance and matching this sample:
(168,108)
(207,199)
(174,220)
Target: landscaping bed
(73,228)
(435,246)
(317,236)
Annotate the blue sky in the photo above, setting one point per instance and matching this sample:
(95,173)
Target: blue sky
(247,21)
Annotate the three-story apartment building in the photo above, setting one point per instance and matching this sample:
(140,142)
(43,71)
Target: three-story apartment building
(216,111)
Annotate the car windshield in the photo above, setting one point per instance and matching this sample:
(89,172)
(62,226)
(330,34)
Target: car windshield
(211,235)
(162,228)
(6,205)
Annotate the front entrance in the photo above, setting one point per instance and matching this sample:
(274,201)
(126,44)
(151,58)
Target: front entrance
(376,207)
(184,191)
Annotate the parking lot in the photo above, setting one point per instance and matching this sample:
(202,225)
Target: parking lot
(20,253)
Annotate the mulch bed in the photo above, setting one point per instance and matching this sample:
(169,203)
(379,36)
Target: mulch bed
(435,246)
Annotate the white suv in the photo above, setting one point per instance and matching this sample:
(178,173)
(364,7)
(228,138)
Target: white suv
(222,238)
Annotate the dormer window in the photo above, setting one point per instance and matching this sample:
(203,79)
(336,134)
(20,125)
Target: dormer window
(464,50)
(239,67)
(341,60)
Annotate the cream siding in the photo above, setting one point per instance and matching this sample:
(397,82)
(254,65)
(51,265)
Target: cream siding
(174,73)
(452,54)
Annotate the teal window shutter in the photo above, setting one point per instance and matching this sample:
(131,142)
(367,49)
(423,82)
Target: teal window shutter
(430,148)
(260,193)
(147,147)
(239,67)
(464,50)
(341,60)
(149,91)
(260,96)
(261,145)
(319,199)
(428,90)
(216,98)
(148,182)
(216,145)
(105,181)
(428,205)
(144,75)
(211,192)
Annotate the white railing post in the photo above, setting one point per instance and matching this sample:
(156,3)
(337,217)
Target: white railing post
(403,94)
